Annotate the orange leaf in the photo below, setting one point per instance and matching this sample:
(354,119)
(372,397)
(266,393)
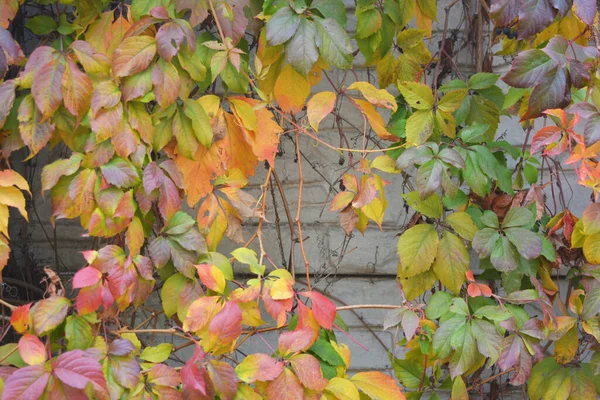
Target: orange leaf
(285,387)
(76,90)
(375,119)
(198,173)
(294,341)
(318,107)
(308,370)
(212,277)
(239,151)
(200,313)
(291,90)
(133,55)
(19,318)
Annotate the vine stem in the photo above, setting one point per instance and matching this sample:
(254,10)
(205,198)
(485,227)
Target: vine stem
(491,378)
(7,305)
(359,306)
(298,222)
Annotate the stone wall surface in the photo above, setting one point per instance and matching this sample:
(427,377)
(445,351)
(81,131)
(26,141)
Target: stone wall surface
(366,272)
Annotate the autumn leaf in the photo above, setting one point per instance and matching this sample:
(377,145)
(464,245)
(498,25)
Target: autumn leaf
(318,107)
(291,90)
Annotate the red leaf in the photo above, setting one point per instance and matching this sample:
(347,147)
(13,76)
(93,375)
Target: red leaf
(478,289)
(295,341)
(544,137)
(26,383)
(224,379)
(226,326)
(285,387)
(323,309)
(308,370)
(133,55)
(168,39)
(166,83)
(77,369)
(89,299)
(32,350)
(19,318)
(87,276)
(277,309)
(193,374)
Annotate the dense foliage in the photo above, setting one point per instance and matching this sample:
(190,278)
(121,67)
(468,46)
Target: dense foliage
(164,101)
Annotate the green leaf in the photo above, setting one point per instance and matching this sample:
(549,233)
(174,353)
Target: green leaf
(429,178)
(247,256)
(417,248)
(41,25)
(463,224)
(473,133)
(443,335)
(301,51)
(408,372)
(200,122)
(504,257)
(489,340)
(430,207)
(326,352)
(452,262)
(474,176)
(368,21)
(467,354)
(528,244)
(482,80)
(282,26)
(170,292)
(438,305)
(517,216)
(591,304)
(78,333)
(485,241)
(528,69)
(179,223)
(331,9)
(334,43)
(157,354)
(490,219)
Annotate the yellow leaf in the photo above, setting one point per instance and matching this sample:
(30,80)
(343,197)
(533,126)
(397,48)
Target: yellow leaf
(423,21)
(281,290)
(417,248)
(463,224)
(452,100)
(385,163)
(419,127)
(566,347)
(387,70)
(11,196)
(319,106)
(4,219)
(459,389)
(445,123)
(377,97)
(342,389)
(591,248)
(414,286)
(375,119)
(417,95)
(244,113)
(291,90)
(8,177)
(378,385)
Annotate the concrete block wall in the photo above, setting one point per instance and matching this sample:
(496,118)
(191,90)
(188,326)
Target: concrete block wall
(366,272)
